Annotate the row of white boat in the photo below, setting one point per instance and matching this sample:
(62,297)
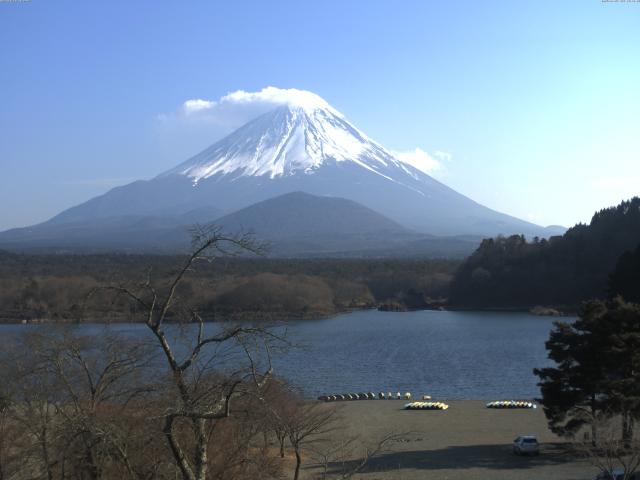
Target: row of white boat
(369,396)
(444,406)
(511,404)
(426,406)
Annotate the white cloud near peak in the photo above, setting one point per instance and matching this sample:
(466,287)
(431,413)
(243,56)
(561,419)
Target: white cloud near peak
(443,156)
(239,107)
(422,160)
(274,96)
(196,105)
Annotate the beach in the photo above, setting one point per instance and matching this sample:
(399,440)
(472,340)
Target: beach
(466,441)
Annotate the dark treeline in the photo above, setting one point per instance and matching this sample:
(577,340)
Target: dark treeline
(55,287)
(562,271)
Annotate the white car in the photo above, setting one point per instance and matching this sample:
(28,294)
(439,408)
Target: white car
(526,445)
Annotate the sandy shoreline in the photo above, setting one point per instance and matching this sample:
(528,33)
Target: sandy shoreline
(467,441)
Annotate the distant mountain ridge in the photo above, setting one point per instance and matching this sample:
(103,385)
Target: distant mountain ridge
(307,225)
(293,224)
(298,213)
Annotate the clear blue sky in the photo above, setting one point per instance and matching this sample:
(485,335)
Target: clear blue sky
(538,102)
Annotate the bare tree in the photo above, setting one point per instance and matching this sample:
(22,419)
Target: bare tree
(350,455)
(279,402)
(308,424)
(611,451)
(102,406)
(29,414)
(206,374)
(75,398)
(9,435)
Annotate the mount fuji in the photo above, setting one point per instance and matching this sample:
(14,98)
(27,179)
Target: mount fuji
(302,145)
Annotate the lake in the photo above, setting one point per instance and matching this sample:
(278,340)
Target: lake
(454,355)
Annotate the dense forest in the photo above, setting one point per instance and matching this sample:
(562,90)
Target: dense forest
(57,287)
(562,271)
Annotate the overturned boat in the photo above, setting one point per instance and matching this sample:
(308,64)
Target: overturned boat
(511,404)
(426,406)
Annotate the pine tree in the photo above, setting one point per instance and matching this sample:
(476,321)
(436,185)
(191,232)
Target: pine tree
(622,359)
(575,390)
(625,278)
(597,369)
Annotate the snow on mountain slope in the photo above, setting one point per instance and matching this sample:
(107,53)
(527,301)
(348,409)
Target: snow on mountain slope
(296,138)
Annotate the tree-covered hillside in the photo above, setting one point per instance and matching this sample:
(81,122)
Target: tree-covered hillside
(562,271)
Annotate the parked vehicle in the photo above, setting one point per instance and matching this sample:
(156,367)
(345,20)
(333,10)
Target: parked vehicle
(526,445)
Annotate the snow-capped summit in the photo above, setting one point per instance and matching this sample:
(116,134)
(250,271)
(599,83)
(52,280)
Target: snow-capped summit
(298,137)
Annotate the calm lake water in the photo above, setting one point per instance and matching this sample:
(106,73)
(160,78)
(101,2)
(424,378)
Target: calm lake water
(455,355)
